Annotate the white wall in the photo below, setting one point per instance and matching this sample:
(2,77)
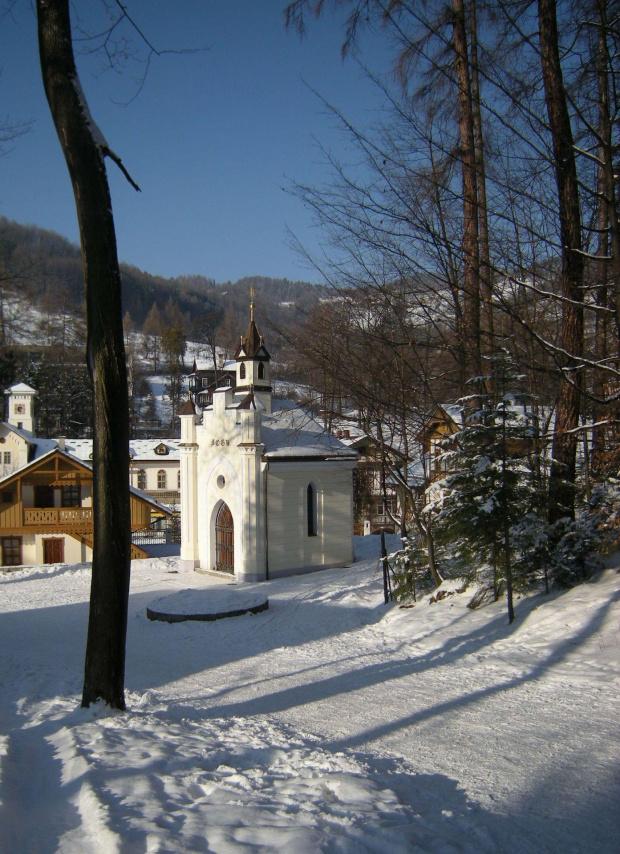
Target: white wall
(290,548)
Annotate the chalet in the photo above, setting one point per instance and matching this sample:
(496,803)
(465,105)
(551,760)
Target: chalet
(46,513)
(154,463)
(209,375)
(265,490)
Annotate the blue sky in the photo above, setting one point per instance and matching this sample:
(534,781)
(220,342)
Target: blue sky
(212,138)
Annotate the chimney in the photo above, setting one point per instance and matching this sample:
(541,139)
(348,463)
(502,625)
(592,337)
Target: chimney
(61,443)
(220,360)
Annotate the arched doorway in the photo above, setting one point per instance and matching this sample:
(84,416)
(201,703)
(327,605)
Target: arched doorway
(224,541)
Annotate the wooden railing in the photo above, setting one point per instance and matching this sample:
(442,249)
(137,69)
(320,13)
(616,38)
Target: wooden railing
(65,517)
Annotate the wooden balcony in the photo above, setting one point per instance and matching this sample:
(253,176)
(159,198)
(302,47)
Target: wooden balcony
(60,518)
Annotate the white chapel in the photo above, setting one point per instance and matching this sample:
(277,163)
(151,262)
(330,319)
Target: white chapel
(265,490)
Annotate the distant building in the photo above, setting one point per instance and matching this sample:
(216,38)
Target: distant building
(46,490)
(207,376)
(376,500)
(265,490)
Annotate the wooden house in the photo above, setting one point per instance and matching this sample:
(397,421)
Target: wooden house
(376,501)
(46,513)
(446,421)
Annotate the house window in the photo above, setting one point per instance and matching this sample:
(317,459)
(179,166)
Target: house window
(7,496)
(141,478)
(311,508)
(161,479)
(386,506)
(261,371)
(11,551)
(6,458)
(205,382)
(71,495)
(242,371)
(162,450)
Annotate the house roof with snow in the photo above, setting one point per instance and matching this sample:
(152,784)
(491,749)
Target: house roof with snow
(20,388)
(141,450)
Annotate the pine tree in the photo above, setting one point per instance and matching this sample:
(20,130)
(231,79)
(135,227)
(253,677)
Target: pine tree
(489,488)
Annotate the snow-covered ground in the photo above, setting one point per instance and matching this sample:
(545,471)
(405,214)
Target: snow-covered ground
(329,723)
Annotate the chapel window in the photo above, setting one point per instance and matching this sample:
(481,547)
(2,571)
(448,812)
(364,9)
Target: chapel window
(312,510)
(261,370)
(242,371)
(161,479)
(141,479)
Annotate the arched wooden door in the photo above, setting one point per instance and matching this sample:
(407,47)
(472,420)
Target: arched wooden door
(224,541)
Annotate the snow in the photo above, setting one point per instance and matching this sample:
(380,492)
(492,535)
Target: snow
(329,723)
(290,431)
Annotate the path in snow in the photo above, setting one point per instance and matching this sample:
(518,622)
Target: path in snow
(328,723)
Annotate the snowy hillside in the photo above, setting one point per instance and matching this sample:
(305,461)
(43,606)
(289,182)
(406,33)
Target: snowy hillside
(329,723)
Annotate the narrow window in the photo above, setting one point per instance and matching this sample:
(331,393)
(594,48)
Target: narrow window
(6,458)
(161,479)
(179,479)
(312,514)
(261,370)
(242,371)
(141,479)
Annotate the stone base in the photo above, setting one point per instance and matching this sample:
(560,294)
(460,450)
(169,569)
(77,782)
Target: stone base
(206,604)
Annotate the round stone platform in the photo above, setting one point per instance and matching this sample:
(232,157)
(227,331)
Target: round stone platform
(214,602)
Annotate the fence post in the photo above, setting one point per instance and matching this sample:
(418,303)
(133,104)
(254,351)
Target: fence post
(386,597)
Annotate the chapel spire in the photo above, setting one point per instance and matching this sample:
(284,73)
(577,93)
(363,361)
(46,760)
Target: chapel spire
(253,359)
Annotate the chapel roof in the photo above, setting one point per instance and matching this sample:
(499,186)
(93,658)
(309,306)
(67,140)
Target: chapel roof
(291,432)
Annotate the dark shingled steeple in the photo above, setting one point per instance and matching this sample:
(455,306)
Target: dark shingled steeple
(252,341)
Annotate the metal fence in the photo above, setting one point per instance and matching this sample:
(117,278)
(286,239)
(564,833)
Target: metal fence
(162,532)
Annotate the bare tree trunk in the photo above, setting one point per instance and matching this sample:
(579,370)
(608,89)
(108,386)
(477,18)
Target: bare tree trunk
(486,319)
(606,64)
(104,671)
(562,476)
(471,249)
(600,410)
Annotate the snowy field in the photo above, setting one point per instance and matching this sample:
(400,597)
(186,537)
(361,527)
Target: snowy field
(329,723)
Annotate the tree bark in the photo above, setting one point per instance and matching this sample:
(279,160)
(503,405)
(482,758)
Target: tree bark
(104,671)
(471,247)
(562,475)
(486,317)
(600,410)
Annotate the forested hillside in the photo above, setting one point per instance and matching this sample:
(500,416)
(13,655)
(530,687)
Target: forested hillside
(43,334)
(43,270)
